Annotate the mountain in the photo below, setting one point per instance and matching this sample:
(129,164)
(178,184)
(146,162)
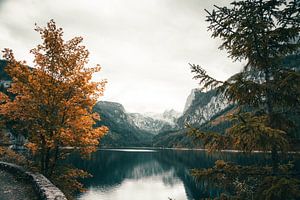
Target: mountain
(155,123)
(169,116)
(132,129)
(202,107)
(122,131)
(147,123)
(205,110)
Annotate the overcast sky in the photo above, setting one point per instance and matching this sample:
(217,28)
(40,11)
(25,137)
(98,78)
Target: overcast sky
(143,46)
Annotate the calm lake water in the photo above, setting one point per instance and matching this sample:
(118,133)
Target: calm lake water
(132,174)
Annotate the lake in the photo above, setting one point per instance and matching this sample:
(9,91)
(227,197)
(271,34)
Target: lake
(152,174)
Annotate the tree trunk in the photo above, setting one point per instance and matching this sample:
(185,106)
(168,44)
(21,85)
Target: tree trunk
(56,155)
(43,155)
(47,160)
(269,110)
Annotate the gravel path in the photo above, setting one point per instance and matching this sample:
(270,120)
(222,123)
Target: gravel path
(15,188)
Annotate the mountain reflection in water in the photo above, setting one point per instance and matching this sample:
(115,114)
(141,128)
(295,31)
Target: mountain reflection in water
(128,174)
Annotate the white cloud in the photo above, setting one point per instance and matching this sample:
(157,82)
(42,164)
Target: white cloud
(144,46)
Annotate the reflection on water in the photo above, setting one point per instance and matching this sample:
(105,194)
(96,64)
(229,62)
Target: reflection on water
(123,174)
(130,150)
(146,188)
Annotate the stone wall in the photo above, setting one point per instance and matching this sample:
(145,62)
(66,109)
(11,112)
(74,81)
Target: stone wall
(44,188)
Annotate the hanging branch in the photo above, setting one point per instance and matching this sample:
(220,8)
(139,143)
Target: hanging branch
(206,81)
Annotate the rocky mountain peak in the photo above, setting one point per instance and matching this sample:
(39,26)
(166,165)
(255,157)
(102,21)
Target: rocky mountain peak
(155,122)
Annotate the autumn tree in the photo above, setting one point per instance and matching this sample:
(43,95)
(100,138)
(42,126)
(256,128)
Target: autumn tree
(54,99)
(264,33)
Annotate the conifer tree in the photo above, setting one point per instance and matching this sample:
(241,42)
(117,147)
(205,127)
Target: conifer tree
(266,92)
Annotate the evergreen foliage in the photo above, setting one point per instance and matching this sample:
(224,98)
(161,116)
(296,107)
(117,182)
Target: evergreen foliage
(264,33)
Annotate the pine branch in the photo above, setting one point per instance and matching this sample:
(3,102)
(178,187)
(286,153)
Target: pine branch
(206,81)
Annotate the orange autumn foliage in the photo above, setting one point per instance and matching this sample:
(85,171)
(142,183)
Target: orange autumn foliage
(54,99)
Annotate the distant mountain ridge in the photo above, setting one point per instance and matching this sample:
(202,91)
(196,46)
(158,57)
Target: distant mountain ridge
(131,129)
(163,130)
(203,107)
(122,131)
(154,122)
(204,110)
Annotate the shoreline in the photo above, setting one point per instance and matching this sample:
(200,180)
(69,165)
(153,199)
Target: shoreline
(189,149)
